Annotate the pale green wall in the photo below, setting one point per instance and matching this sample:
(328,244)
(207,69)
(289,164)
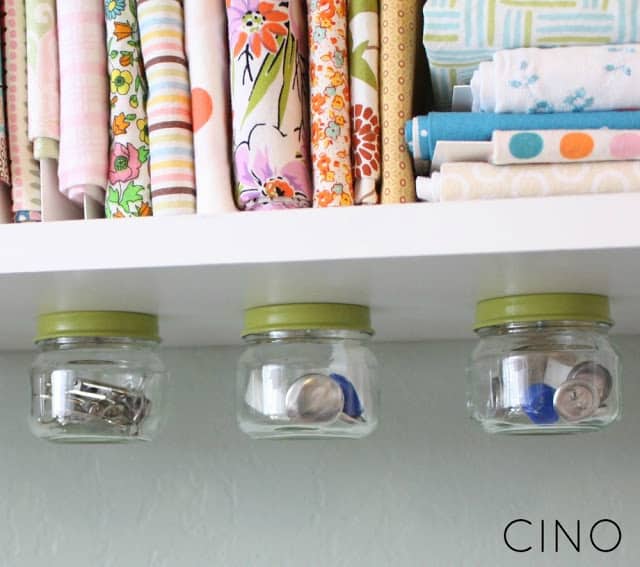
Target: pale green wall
(429,488)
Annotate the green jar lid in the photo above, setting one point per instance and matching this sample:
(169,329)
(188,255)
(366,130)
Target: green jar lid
(300,316)
(97,324)
(543,307)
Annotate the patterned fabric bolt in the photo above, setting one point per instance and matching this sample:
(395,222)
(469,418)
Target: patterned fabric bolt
(129,184)
(468,181)
(330,104)
(560,146)
(365,98)
(205,35)
(535,80)
(5,177)
(398,29)
(268,61)
(173,190)
(25,171)
(43,78)
(459,34)
(84,109)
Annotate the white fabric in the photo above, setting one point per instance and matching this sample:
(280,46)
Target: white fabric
(561,79)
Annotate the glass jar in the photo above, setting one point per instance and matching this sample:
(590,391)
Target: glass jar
(544,364)
(97,378)
(307,371)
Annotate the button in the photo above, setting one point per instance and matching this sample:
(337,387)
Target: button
(595,373)
(539,404)
(352,405)
(314,398)
(576,400)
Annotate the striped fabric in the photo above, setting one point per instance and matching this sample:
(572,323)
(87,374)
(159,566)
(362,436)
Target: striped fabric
(169,107)
(84,100)
(25,171)
(459,34)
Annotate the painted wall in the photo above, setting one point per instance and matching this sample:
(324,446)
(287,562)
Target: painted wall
(429,488)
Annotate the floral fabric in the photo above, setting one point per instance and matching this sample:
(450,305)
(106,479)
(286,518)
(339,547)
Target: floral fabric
(330,104)
(5,177)
(268,98)
(129,182)
(364,49)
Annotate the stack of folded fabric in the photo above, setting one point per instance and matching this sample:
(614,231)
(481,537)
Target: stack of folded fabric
(530,121)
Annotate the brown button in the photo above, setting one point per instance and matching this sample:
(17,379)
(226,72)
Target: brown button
(576,400)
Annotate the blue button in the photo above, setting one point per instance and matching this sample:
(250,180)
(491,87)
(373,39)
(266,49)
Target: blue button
(538,404)
(352,406)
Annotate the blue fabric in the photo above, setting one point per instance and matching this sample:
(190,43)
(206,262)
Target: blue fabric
(479,126)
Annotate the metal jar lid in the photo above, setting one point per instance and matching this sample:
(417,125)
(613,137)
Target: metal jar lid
(542,307)
(306,316)
(97,324)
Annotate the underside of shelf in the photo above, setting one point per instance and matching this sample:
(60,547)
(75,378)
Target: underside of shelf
(421,267)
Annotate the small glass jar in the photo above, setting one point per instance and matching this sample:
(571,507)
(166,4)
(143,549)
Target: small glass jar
(97,378)
(544,364)
(307,371)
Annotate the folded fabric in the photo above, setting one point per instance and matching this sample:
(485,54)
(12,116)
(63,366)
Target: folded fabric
(538,80)
(205,37)
(365,96)
(558,146)
(43,78)
(25,171)
(459,35)
(398,30)
(173,189)
(129,183)
(5,177)
(423,132)
(270,119)
(84,99)
(330,104)
(468,181)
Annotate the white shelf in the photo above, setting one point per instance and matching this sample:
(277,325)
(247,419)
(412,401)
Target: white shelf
(421,267)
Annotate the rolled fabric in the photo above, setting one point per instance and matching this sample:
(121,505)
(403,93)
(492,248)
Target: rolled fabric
(364,49)
(25,171)
(205,36)
(465,181)
(560,146)
(5,176)
(535,80)
(173,189)
(43,78)
(397,53)
(84,98)
(330,104)
(267,49)
(460,35)
(423,132)
(129,183)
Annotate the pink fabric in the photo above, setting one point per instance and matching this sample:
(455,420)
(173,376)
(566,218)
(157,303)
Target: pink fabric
(84,94)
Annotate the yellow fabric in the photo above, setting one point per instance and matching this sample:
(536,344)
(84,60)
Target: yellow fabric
(398,30)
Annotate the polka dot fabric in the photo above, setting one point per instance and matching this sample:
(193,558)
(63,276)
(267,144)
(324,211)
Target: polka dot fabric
(397,55)
(565,146)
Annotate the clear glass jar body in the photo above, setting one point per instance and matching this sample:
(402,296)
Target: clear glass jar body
(307,384)
(545,377)
(97,390)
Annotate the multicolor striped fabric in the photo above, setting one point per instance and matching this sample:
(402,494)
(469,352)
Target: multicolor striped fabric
(459,34)
(84,100)
(25,171)
(169,107)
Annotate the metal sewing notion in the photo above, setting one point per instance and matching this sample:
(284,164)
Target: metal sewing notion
(75,400)
(314,398)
